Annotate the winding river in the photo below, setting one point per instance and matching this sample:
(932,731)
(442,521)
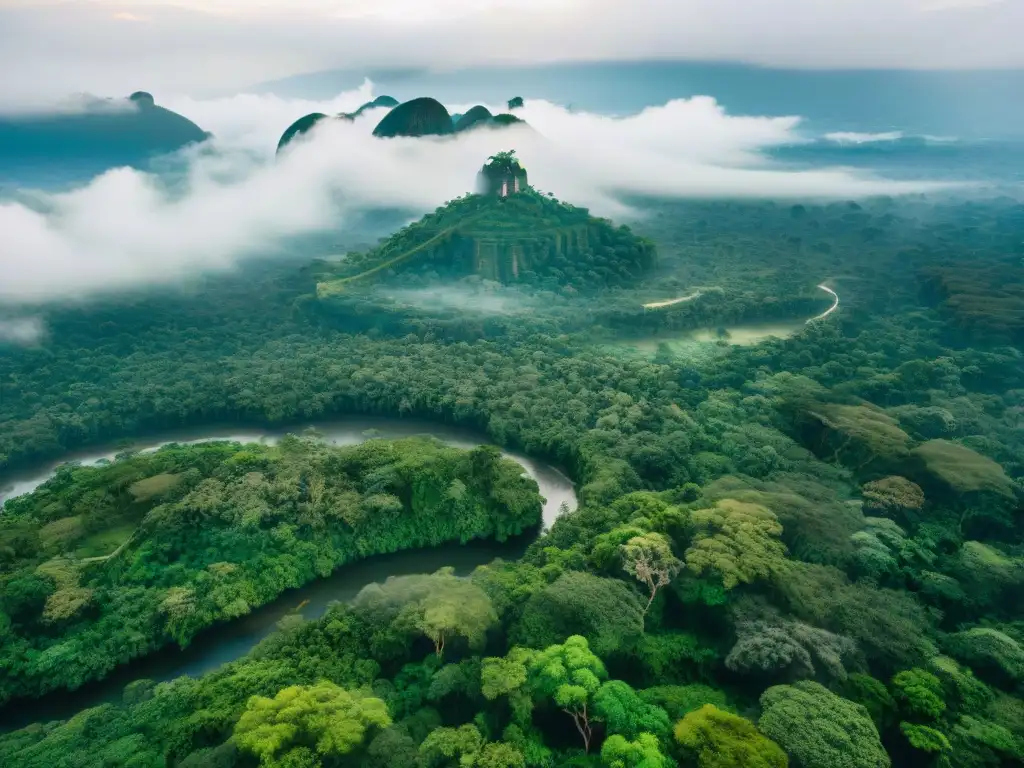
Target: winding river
(221,644)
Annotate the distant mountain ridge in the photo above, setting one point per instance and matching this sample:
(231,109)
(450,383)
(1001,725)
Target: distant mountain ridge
(968,104)
(98,135)
(422,116)
(138,126)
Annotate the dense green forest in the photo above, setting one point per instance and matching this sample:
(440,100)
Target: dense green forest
(806,552)
(102,565)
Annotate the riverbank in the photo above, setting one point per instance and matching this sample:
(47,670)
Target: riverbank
(226,641)
(345,431)
(223,644)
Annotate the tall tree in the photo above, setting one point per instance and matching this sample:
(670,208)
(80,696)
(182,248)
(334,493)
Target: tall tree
(649,559)
(569,674)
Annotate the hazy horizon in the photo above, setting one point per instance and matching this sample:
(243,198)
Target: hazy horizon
(205,47)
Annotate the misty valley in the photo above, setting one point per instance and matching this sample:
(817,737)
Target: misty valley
(423,433)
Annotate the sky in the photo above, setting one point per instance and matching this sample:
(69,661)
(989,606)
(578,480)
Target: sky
(204,47)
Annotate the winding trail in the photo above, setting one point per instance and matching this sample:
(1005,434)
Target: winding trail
(670,302)
(831,309)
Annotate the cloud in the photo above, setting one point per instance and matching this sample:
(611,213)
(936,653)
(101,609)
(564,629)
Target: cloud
(201,46)
(259,120)
(71,104)
(854,137)
(128,228)
(21,331)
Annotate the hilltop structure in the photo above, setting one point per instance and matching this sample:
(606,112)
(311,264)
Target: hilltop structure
(508,233)
(502,175)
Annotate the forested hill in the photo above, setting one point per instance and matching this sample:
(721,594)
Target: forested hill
(526,239)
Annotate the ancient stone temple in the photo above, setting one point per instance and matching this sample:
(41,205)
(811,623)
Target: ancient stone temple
(503,175)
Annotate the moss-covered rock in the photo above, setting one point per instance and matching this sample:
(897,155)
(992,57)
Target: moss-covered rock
(300,127)
(506,119)
(475,117)
(378,103)
(420,117)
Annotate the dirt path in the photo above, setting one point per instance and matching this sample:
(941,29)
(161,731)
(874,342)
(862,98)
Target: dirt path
(670,302)
(831,309)
(113,554)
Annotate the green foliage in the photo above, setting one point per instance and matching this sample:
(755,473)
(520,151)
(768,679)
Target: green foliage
(643,752)
(569,675)
(817,522)
(605,611)
(465,747)
(861,435)
(871,694)
(990,653)
(676,656)
(459,608)
(736,540)
(790,650)
(500,676)
(920,694)
(818,729)
(978,742)
(925,739)
(323,720)
(963,470)
(719,739)
(889,626)
(962,691)
(894,496)
(989,577)
(626,713)
(219,529)
(648,558)
(566,363)
(680,700)
(525,239)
